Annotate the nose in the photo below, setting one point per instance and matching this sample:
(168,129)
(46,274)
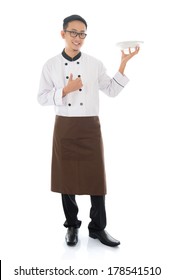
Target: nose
(77,39)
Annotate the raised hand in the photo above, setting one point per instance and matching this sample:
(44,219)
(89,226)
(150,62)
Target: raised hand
(126,57)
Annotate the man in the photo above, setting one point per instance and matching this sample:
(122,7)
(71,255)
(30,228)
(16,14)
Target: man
(71,82)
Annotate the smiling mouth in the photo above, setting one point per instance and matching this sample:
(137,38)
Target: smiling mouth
(76,44)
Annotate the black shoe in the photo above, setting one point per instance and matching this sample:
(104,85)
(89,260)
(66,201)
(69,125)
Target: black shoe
(104,238)
(71,236)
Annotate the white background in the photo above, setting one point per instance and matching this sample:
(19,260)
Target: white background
(137,130)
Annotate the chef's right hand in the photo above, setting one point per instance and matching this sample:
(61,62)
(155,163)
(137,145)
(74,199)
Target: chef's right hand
(72,85)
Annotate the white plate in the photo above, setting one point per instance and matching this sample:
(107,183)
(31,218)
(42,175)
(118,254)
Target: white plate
(129,44)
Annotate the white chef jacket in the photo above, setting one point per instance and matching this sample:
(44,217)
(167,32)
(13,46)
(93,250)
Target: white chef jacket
(85,101)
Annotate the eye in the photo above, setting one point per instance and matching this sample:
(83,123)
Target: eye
(82,35)
(74,33)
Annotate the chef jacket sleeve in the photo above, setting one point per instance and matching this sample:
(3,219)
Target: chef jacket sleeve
(111,86)
(48,94)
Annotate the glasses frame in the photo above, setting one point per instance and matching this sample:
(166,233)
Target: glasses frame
(81,35)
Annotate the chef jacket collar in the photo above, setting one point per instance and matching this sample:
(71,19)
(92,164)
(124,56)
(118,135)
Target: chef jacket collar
(70,58)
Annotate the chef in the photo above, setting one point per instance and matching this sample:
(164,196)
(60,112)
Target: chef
(71,82)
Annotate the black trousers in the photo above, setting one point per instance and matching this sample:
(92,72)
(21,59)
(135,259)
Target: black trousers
(97,212)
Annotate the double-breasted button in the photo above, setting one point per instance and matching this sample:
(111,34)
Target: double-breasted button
(78,62)
(81,104)
(69,104)
(80,89)
(67,77)
(79,76)
(66,63)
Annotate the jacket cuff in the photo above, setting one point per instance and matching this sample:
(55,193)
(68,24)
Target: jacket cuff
(120,79)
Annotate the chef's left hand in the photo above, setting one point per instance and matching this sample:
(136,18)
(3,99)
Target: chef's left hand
(125,57)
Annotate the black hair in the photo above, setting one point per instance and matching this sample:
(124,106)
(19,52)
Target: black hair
(72,18)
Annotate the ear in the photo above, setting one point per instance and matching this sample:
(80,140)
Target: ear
(62,34)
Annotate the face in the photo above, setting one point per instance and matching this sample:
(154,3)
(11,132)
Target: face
(73,44)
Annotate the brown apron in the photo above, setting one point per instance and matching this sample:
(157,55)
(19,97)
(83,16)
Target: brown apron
(77,156)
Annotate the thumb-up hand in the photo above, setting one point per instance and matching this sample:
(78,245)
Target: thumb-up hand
(72,85)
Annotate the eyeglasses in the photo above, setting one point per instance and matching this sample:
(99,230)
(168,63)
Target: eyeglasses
(74,34)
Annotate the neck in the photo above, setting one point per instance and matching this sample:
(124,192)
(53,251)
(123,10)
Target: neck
(71,53)
(70,58)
